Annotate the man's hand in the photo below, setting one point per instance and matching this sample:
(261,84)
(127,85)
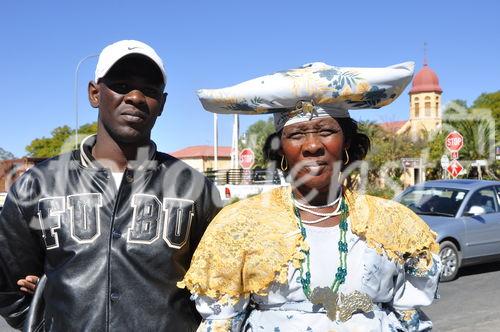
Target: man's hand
(28,284)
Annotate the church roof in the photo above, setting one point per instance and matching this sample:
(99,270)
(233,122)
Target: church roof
(426,80)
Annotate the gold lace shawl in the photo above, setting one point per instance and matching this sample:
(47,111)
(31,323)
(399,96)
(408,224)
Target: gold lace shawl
(250,244)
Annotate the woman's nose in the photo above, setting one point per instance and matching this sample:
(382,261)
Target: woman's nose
(312,145)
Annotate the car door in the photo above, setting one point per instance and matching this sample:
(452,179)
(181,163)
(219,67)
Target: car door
(482,230)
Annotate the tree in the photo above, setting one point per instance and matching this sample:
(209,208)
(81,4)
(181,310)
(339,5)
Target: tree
(61,141)
(476,124)
(255,137)
(4,154)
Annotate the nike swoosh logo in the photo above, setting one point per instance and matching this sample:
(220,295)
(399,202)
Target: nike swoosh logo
(132,48)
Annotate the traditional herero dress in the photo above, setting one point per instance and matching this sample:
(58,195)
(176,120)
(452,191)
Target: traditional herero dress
(246,272)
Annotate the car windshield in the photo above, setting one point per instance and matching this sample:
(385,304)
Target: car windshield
(433,201)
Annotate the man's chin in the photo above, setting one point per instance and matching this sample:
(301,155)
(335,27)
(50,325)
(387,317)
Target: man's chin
(130,135)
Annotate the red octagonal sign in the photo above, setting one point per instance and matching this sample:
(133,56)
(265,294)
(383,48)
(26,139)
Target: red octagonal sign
(247,158)
(454,168)
(454,141)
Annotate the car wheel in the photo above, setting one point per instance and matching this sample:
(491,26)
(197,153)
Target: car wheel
(450,258)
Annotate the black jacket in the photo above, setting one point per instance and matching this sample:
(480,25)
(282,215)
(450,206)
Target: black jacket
(112,257)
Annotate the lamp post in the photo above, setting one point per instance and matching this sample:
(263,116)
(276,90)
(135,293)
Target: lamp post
(76,93)
(216,143)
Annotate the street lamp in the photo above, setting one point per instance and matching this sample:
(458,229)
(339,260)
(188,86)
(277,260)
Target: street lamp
(76,92)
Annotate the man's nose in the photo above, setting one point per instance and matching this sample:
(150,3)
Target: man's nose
(312,145)
(135,97)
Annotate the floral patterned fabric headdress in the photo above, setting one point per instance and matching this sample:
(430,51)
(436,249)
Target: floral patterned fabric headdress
(311,91)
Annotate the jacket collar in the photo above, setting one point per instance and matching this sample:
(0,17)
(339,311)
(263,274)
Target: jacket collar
(88,160)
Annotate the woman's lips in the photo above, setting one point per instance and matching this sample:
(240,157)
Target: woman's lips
(315,167)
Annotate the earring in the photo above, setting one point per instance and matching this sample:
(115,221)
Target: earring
(284,167)
(347,157)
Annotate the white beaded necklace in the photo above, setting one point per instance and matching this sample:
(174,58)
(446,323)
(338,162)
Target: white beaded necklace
(322,216)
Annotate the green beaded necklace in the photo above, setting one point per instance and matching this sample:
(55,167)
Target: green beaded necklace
(305,278)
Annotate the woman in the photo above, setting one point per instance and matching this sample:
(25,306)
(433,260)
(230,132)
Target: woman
(314,256)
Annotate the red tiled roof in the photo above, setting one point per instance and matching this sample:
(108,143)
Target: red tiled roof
(199,151)
(392,126)
(426,80)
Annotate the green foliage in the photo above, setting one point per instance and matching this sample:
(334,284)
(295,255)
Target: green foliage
(386,148)
(255,137)
(61,141)
(476,124)
(490,102)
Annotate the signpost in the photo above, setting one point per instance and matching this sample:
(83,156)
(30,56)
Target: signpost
(454,168)
(247,159)
(445,161)
(453,142)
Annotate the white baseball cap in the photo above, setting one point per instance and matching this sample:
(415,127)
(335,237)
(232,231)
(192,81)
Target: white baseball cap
(114,52)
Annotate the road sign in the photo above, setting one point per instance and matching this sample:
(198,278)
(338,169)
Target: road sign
(454,155)
(454,141)
(411,162)
(445,161)
(454,168)
(247,158)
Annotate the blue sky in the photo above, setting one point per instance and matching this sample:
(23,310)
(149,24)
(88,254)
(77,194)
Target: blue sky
(213,44)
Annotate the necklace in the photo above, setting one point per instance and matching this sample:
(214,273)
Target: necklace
(327,297)
(322,215)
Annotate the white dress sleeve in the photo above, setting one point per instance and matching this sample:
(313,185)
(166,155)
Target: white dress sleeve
(415,289)
(217,316)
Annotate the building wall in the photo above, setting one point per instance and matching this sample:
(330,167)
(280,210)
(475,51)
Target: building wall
(196,163)
(222,163)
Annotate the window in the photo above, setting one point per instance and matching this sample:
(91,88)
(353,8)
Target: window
(437,110)
(433,201)
(427,108)
(485,198)
(498,195)
(416,110)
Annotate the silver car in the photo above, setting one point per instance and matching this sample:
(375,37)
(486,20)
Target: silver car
(465,214)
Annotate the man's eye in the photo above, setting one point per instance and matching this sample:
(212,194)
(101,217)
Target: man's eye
(121,88)
(151,92)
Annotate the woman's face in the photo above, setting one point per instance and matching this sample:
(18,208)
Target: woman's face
(314,151)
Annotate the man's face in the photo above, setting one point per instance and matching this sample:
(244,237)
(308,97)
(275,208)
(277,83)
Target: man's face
(130,98)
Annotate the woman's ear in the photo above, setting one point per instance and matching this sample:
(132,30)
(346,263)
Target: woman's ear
(93,92)
(347,144)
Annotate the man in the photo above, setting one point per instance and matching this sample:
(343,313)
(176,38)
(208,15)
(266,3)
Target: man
(114,224)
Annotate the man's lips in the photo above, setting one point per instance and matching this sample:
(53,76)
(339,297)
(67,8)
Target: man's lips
(133,116)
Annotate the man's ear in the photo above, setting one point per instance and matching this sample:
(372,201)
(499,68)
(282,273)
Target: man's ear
(163,101)
(93,92)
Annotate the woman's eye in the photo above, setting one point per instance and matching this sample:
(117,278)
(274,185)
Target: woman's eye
(326,132)
(296,135)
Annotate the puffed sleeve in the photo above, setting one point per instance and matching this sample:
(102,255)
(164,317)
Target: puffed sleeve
(221,317)
(415,287)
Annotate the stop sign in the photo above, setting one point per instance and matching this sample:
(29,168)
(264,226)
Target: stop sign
(454,141)
(247,158)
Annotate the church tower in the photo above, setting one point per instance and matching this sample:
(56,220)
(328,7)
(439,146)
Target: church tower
(425,102)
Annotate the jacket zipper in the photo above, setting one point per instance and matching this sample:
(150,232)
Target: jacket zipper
(108,292)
